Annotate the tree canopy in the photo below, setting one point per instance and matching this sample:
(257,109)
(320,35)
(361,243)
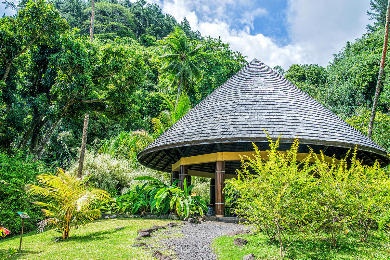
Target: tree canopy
(53,74)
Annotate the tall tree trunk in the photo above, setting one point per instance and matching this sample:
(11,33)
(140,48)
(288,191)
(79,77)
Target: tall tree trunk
(35,136)
(83,144)
(86,117)
(380,76)
(7,70)
(26,136)
(178,92)
(92,21)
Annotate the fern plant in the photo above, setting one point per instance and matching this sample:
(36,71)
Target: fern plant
(69,201)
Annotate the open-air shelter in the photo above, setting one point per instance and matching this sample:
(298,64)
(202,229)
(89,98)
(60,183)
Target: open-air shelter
(211,138)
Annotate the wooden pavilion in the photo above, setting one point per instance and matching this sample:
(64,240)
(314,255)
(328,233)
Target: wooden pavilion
(210,138)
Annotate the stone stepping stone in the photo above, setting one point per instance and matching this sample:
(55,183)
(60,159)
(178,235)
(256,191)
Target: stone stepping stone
(238,232)
(240,241)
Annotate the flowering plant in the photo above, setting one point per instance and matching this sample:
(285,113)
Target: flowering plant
(4,232)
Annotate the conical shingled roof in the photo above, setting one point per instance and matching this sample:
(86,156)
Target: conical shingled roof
(236,114)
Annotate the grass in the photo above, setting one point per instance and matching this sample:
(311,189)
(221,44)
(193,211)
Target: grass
(97,240)
(100,240)
(348,248)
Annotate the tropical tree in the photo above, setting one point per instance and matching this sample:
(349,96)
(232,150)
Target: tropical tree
(178,61)
(167,118)
(70,78)
(218,62)
(69,201)
(377,13)
(381,69)
(127,145)
(36,23)
(86,116)
(110,20)
(310,78)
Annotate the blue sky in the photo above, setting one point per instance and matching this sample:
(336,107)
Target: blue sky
(5,11)
(262,16)
(278,32)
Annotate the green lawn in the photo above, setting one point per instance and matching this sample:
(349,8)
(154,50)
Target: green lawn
(97,240)
(100,240)
(259,245)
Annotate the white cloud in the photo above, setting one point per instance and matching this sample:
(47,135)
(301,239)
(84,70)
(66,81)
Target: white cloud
(249,16)
(323,27)
(317,29)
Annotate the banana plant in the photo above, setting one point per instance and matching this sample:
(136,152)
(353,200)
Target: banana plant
(158,204)
(182,201)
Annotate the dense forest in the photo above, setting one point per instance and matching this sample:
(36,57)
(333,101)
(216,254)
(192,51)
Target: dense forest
(55,73)
(135,72)
(347,85)
(124,79)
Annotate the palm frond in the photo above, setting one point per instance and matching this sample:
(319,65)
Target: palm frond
(69,199)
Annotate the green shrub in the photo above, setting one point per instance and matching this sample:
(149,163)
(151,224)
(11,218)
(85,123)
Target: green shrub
(156,197)
(182,201)
(136,200)
(275,198)
(350,197)
(286,199)
(113,175)
(15,173)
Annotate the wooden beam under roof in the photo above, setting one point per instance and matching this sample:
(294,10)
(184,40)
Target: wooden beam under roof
(236,156)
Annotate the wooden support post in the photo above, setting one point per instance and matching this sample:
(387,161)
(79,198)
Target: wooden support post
(219,189)
(183,175)
(212,192)
(21,236)
(174,176)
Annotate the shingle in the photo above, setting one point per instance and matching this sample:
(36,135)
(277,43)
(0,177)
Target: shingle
(254,99)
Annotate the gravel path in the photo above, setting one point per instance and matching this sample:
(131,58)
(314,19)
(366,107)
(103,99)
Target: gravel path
(193,241)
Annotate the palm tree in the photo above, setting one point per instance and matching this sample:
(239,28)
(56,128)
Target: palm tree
(69,201)
(167,118)
(177,61)
(127,145)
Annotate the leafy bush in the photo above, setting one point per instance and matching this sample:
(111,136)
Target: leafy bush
(182,201)
(126,145)
(273,199)
(135,200)
(286,199)
(68,201)
(15,173)
(381,130)
(350,197)
(156,197)
(113,175)
(140,199)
